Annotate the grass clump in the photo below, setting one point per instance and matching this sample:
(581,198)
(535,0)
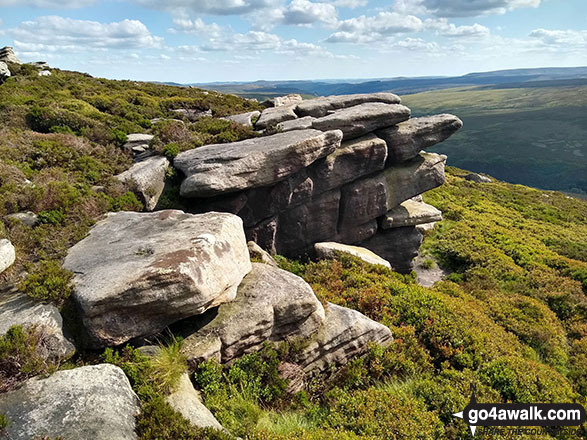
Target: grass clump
(48,281)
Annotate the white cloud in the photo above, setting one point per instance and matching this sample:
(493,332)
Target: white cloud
(52,33)
(52,4)
(568,38)
(418,44)
(365,29)
(215,7)
(462,8)
(352,4)
(197,27)
(304,12)
(446,29)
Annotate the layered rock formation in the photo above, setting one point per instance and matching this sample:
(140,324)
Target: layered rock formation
(340,165)
(7,55)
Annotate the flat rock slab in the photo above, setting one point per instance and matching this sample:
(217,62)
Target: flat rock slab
(345,335)
(329,251)
(136,273)
(399,246)
(362,119)
(245,119)
(19,309)
(296,124)
(407,139)
(410,213)
(271,305)
(7,254)
(137,139)
(225,168)
(147,179)
(323,106)
(274,115)
(95,402)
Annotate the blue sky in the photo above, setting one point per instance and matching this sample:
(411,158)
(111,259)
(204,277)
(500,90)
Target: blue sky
(245,40)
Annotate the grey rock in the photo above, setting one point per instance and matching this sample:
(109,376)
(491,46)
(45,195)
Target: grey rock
(136,273)
(329,251)
(256,251)
(279,101)
(399,246)
(271,305)
(296,124)
(27,217)
(147,179)
(44,73)
(244,118)
(407,139)
(187,401)
(137,140)
(363,201)
(94,402)
(323,106)
(410,213)
(274,115)
(363,119)
(354,159)
(224,168)
(19,309)
(7,254)
(477,178)
(425,227)
(159,120)
(264,234)
(191,114)
(345,335)
(7,55)
(357,233)
(4,71)
(42,65)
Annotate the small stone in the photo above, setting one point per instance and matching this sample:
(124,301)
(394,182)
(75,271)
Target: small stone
(477,178)
(27,218)
(258,253)
(410,213)
(7,254)
(329,251)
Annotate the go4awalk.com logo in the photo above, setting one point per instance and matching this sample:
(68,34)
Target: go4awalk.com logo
(521,414)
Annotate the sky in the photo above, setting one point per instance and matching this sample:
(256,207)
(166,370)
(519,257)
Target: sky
(196,41)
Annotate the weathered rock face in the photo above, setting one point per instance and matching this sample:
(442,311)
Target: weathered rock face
(399,246)
(329,250)
(7,55)
(271,305)
(323,106)
(477,178)
(138,143)
(7,254)
(136,273)
(187,401)
(345,335)
(279,101)
(147,179)
(410,213)
(225,168)
(274,115)
(18,309)
(407,139)
(4,71)
(94,402)
(362,119)
(244,118)
(257,252)
(296,124)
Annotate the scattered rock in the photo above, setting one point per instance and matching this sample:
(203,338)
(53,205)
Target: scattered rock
(244,118)
(7,254)
(187,401)
(147,179)
(280,101)
(271,305)
(19,309)
(274,115)
(407,139)
(427,271)
(410,213)
(4,71)
(191,114)
(94,402)
(477,178)
(137,140)
(27,217)
(224,168)
(7,55)
(363,119)
(399,246)
(323,106)
(296,124)
(136,273)
(329,251)
(44,73)
(256,251)
(345,335)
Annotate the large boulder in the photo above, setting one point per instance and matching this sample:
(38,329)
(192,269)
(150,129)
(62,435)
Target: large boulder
(279,101)
(407,139)
(19,309)
(410,213)
(245,119)
(187,401)
(224,168)
(4,71)
(7,55)
(323,106)
(147,179)
(330,251)
(346,334)
(27,218)
(271,305)
(136,273)
(274,115)
(7,254)
(399,246)
(94,402)
(362,119)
